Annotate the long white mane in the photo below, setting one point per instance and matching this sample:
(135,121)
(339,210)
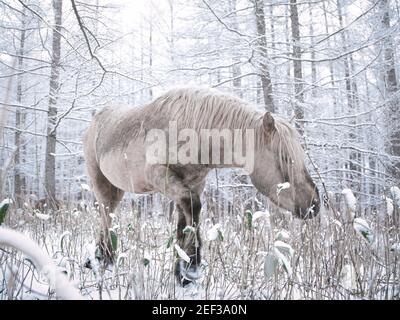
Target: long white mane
(203,108)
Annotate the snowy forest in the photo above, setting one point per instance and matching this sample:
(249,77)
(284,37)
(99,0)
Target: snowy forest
(328,66)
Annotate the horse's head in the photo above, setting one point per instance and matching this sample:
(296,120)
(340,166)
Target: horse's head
(279,158)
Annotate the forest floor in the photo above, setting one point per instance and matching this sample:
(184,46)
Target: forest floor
(246,255)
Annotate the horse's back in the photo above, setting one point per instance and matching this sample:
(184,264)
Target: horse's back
(97,118)
(104,131)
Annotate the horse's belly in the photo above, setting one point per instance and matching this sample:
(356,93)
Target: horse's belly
(123,174)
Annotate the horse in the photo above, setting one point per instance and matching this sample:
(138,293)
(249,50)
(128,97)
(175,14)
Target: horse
(117,160)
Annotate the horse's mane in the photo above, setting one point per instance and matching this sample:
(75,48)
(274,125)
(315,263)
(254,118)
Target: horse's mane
(204,108)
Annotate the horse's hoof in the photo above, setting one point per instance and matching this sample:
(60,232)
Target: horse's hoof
(99,258)
(186,274)
(88,264)
(185,282)
(107,265)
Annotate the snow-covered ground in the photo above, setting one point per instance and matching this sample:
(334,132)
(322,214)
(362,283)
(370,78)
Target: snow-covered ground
(246,255)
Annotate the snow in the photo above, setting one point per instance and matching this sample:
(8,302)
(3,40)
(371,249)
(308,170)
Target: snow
(351,202)
(181,253)
(267,259)
(282,186)
(389,205)
(42,261)
(85,187)
(362,228)
(149,46)
(64,235)
(123,256)
(260,214)
(214,232)
(395,247)
(284,247)
(5,201)
(191,273)
(395,192)
(90,255)
(189,229)
(42,216)
(271,265)
(348,277)
(283,260)
(283,235)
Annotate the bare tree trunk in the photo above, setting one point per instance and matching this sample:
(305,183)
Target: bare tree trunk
(236,70)
(297,64)
(262,56)
(132,66)
(336,109)
(273,39)
(349,92)
(151,57)
(3,119)
(172,31)
(313,65)
(352,164)
(347,164)
(356,158)
(331,73)
(142,66)
(96,33)
(50,164)
(392,113)
(272,25)
(19,185)
(289,87)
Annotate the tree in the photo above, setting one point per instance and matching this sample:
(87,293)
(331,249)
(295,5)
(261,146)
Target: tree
(236,70)
(353,165)
(297,64)
(391,85)
(313,64)
(50,162)
(262,55)
(19,181)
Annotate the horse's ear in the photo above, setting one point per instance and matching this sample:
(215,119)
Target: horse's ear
(268,122)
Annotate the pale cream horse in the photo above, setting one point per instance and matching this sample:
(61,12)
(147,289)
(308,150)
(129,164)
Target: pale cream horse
(116,144)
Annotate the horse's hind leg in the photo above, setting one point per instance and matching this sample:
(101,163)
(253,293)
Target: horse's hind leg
(108,197)
(188,206)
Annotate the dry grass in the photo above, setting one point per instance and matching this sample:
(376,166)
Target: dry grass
(329,261)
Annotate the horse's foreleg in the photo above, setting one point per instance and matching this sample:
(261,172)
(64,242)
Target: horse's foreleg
(108,197)
(190,241)
(188,206)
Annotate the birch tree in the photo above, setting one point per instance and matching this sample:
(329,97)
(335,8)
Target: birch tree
(262,55)
(19,184)
(50,162)
(391,85)
(297,64)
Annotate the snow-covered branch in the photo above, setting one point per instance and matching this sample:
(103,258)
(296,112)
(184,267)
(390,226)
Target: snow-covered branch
(63,288)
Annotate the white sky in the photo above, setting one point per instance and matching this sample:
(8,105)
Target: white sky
(133,11)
